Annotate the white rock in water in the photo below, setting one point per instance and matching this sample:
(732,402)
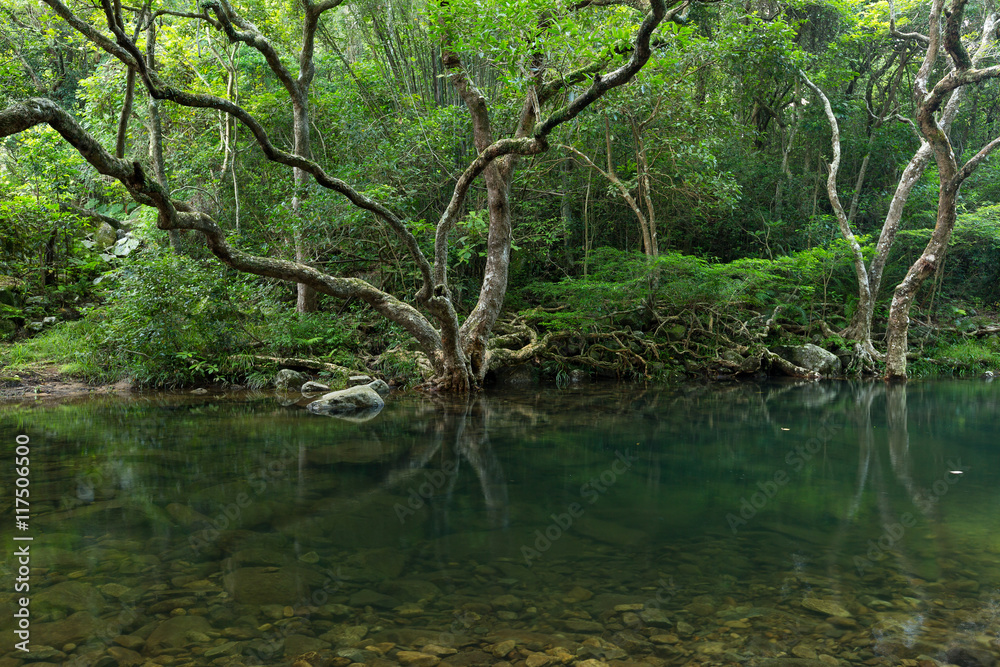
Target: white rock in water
(347,402)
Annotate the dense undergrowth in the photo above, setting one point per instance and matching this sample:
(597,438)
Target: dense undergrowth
(160,319)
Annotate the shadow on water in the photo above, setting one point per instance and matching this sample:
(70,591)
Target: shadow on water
(762,524)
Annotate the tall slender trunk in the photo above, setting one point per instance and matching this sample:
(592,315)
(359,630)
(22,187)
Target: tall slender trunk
(156,133)
(306,301)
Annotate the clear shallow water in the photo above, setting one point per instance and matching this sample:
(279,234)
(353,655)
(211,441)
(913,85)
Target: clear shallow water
(753,524)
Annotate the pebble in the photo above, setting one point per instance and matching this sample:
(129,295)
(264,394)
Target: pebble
(538,660)
(503,648)
(655,617)
(828,607)
(803,651)
(417,659)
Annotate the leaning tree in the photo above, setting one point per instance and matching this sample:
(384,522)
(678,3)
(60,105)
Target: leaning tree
(457,348)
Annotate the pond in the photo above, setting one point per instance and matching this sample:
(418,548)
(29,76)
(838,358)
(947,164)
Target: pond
(762,524)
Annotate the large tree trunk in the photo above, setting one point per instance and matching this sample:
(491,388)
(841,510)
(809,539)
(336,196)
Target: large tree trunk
(860,327)
(902,298)
(476,330)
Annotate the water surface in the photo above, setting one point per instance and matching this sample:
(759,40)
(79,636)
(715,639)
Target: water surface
(760,524)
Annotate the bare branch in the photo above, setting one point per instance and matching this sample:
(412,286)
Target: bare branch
(916,36)
(976,160)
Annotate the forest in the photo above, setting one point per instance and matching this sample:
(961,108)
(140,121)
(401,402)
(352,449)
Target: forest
(456,194)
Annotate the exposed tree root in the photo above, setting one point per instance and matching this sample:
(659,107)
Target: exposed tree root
(705,341)
(788,368)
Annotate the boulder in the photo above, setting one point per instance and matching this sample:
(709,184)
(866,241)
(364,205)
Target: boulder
(105,236)
(314,388)
(380,387)
(812,358)
(352,402)
(287,379)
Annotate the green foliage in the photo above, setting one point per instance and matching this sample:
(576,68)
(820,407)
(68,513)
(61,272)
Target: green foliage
(67,345)
(970,268)
(623,285)
(167,320)
(969,356)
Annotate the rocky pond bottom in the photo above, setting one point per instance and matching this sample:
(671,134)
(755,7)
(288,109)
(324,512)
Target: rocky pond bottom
(797,525)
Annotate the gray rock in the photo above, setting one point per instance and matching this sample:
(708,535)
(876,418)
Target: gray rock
(811,357)
(48,320)
(287,379)
(355,380)
(314,387)
(380,387)
(655,617)
(355,401)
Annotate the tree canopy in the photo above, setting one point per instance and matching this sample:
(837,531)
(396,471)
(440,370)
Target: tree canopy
(462,170)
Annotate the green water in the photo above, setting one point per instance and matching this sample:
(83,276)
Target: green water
(761,524)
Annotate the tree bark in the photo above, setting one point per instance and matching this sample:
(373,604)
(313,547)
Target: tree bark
(950,175)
